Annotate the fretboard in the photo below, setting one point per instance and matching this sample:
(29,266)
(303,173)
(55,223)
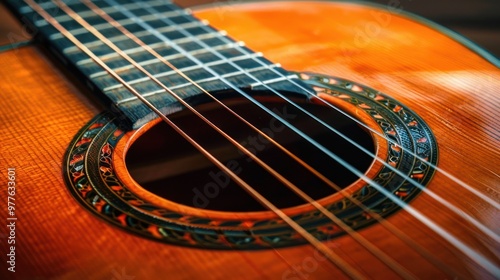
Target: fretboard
(208,57)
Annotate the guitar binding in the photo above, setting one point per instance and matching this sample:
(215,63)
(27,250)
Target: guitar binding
(91,178)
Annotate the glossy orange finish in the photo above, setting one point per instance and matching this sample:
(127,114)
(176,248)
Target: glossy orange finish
(453,89)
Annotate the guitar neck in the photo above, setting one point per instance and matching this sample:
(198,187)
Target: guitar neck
(201,56)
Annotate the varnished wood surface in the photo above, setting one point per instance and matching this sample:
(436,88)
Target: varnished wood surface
(453,89)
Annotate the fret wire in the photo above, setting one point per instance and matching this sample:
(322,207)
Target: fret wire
(282,78)
(186,85)
(271,81)
(167,40)
(80,31)
(101,26)
(248,51)
(144,82)
(212,64)
(129,6)
(202,43)
(115,39)
(123,22)
(97,43)
(291,78)
(64,18)
(168,57)
(194,67)
(129,51)
(149,94)
(114,55)
(235,76)
(207,27)
(227,49)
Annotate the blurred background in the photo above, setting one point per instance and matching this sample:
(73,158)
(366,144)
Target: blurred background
(477,20)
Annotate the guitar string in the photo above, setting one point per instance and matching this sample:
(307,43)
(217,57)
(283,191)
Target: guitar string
(327,252)
(482,196)
(457,211)
(312,94)
(374,215)
(471,220)
(427,191)
(355,235)
(310,200)
(437,168)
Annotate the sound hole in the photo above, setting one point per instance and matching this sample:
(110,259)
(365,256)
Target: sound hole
(164,163)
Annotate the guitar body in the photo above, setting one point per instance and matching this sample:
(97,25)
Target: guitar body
(450,86)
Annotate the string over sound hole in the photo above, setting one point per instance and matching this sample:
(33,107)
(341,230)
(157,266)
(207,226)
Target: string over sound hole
(107,191)
(164,163)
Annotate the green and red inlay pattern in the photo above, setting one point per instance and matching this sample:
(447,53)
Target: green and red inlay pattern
(91,178)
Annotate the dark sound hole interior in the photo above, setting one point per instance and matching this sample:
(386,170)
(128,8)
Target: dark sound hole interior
(164,163)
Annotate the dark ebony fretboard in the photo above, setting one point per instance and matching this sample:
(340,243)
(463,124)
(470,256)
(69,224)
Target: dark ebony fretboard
(205,55)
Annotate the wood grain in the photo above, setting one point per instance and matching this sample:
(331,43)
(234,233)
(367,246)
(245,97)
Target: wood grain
(453,89)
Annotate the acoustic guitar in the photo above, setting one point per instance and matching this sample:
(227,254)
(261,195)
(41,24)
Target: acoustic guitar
(266,140)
